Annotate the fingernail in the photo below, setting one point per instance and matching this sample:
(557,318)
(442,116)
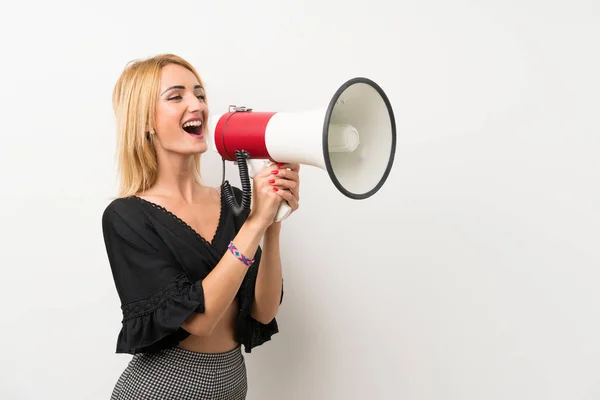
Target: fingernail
(280,165)
(271,180)
(275,172)
(275,189)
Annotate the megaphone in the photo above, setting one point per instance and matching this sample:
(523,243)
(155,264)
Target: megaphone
(353,138)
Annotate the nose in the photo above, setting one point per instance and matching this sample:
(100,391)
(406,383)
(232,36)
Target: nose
(196,105)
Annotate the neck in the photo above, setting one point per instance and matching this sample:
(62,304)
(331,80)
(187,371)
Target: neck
(176,176)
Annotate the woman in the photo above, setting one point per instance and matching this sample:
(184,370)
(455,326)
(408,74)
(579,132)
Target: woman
(186,269)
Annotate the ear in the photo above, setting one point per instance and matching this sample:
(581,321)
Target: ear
(149,131)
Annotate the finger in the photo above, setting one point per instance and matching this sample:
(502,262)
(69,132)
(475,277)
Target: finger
(266,171)
(292,166)
(289,197)
(285,174)
(275,193)
(284,183)
(289,176)
(263,170)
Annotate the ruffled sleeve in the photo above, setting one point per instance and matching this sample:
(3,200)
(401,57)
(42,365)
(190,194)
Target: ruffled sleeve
(156,295)
(250,332)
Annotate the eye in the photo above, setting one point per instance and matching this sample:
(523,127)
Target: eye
(201,97)
(174,98)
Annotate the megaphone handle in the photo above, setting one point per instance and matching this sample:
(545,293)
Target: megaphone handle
(283,212)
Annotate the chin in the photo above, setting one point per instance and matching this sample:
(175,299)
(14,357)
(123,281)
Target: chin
(197,144)
(199,148)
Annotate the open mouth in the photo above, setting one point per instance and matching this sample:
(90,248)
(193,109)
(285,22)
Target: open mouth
(193,127)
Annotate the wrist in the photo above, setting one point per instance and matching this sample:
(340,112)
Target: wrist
(256,225)
(273,229)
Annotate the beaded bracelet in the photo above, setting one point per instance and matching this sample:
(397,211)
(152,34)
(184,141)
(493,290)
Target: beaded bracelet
(234,250)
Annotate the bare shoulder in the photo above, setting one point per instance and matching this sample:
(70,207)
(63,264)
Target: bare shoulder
(217,191)
(152,196)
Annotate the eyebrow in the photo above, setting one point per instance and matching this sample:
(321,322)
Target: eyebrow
(180,87)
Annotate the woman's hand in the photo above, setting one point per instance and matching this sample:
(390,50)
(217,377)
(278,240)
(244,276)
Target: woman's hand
(272,185)
(265,200)
(287,182)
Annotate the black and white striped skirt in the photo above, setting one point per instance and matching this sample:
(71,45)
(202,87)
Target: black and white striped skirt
(182,374)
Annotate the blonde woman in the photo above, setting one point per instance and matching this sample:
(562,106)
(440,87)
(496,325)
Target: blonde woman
(186,269)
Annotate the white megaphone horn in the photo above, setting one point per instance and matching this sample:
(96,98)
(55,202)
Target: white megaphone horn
(353,138)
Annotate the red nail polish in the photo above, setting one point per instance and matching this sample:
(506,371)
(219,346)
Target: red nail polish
(275,189)
(275,172)
(280,165)
(271,180)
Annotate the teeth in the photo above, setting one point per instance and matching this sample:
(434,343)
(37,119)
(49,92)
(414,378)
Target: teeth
(192,123)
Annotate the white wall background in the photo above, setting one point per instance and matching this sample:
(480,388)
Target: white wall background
(472,275)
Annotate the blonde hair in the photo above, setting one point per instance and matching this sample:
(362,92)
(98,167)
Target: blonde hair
(134,103)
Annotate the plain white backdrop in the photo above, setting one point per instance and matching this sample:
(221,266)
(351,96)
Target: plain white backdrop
(473,274)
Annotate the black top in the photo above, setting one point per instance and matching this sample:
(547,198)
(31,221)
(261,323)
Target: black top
(158,263)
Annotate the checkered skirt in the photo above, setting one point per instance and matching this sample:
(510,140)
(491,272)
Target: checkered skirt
(182,374)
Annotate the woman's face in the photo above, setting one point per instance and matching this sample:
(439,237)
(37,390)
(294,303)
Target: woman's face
(180,112)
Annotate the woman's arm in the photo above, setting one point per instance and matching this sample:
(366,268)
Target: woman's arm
(223,282)
(267,294)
